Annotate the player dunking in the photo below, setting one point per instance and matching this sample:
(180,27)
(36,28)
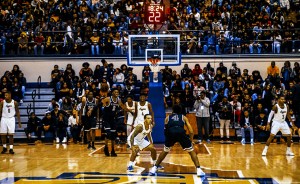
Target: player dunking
(111,106)
(280,112)
(8,109)
(89,119)
(137,141)
(175,132)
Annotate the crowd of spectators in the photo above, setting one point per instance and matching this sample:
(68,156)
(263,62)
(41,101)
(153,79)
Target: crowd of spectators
(233,93)
(15,82)
(96,27)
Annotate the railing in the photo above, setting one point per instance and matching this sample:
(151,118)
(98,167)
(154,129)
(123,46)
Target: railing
(39,81)
(289,44)
(28,109)
(33,96)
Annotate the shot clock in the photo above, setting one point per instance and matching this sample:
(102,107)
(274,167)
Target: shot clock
(154,14)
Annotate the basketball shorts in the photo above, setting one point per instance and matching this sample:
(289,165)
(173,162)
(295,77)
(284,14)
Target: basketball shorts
(7,125)
(110,126)
(183,140)
(141,144)
(89,123)
(280,126)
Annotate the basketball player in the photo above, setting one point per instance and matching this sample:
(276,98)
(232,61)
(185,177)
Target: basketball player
(143,107)
(137,141)
(280,112)
(8,109)
(129,116)
(89,119)
(111,106)
(175,132)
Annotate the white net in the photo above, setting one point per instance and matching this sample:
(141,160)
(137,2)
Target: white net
(154,64)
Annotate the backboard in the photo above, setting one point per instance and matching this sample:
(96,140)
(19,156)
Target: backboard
(166,47)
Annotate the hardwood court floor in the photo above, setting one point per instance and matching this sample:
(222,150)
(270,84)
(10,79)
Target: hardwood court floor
(222,163)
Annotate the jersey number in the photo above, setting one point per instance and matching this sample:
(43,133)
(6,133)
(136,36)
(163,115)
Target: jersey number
(175,118)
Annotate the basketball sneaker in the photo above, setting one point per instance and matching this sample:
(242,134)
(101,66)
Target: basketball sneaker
(106,152)
(89,146)
(130,168)
(4,150)
(113,153)
(57,140)
(208,141)
(11,151)
(264,153)
(93,148)
(152,171)
(200,173)
(160,167)
(289,153)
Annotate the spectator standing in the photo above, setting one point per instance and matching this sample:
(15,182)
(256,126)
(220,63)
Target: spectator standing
(202,105)
(225,114)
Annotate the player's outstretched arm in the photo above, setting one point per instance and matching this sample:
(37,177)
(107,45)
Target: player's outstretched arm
(151,112)
(189,127)
(17,113)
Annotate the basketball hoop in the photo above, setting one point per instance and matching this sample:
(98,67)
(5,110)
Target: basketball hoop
(154,64)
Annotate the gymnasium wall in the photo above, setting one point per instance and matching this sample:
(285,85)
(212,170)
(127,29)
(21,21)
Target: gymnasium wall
(33,68)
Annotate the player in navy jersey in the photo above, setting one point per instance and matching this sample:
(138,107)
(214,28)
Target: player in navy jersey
(175,132)
(111,106)
(89,119)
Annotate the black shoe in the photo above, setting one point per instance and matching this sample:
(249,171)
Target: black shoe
(113,154)
(11,151)
(89,146)
(4,150)
(106,151)
(93,148)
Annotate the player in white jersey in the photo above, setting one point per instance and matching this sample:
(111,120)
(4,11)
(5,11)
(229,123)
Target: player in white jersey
(129,116)
(143,107)
(8,109)
(137,141)
(280,112)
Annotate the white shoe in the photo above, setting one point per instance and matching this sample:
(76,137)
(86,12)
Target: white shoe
(289,153)
(243,141)
(64,140)
(200,173)
(264,153)
(57,140)
(153,171)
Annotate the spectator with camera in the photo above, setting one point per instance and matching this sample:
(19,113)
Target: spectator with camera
(202,105)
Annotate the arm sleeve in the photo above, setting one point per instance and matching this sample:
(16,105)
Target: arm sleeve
(270,116)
